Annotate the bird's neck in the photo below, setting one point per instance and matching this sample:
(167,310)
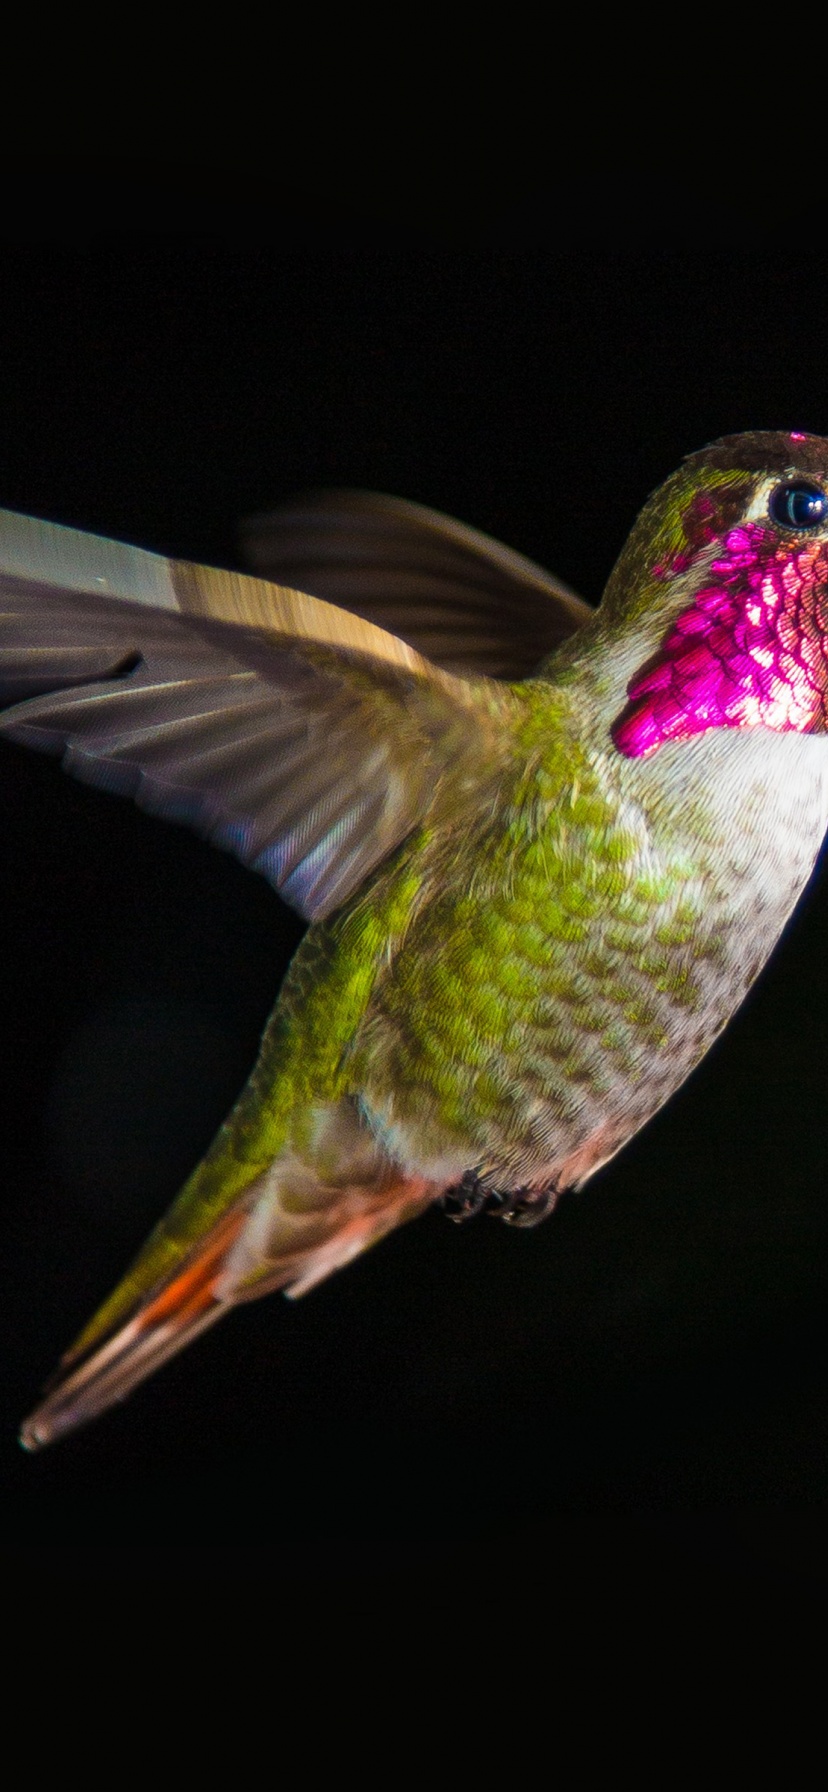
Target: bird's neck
(745,805)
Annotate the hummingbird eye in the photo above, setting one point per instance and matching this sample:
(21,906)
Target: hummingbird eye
(798,506)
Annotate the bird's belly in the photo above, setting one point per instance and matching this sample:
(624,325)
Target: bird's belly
(556,1097)
(531,1035)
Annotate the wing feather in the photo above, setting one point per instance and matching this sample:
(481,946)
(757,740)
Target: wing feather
(307,741)
(463,600)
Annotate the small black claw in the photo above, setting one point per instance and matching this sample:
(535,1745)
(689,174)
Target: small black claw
(516,1206)
(528,1206)
(467,1198)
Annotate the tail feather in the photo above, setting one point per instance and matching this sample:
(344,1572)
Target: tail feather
(88,1381)
(267,1239)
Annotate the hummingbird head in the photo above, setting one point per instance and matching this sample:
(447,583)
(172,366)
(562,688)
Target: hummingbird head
(727,568)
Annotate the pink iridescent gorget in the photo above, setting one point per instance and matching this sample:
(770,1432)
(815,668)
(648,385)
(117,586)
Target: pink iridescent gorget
(751,649)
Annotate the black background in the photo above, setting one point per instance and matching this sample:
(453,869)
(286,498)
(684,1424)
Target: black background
(633,1396)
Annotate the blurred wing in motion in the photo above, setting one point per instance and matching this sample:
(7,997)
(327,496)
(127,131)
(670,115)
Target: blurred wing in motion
(305,739)
(310,741)
(468,604)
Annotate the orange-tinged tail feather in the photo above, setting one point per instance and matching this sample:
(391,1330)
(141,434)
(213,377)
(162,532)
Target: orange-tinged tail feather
(289,1229)
(88,1381)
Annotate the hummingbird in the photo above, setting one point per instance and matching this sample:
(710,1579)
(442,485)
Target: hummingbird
(543,849)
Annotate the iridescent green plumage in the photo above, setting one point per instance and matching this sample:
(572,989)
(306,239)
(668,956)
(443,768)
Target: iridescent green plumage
(550,942)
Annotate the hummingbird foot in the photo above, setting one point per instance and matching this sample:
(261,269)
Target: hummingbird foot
(516,1206)
(466,1199)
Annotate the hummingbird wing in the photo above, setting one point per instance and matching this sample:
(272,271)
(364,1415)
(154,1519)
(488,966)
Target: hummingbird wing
(305,739)
(461,599)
